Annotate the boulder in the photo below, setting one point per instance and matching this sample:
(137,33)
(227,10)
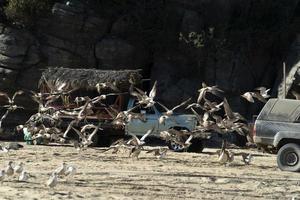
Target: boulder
(71,31)
(18,48)
(115,53)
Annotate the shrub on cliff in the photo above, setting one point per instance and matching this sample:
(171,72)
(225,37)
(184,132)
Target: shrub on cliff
(27,11)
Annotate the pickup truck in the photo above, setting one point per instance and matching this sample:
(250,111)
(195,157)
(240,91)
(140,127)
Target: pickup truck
(277,130)
(152,114)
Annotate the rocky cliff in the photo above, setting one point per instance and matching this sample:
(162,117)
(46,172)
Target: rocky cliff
(243,44)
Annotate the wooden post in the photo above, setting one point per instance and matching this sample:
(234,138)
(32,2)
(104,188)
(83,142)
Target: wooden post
(284,80)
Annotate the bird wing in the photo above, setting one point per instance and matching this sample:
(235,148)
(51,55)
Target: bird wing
(3,117)
(259,97)
(248,96)
(135,138)
(78,132)
(19,92)
(164,107)
(202,93)
(5,95)
(199,117)
(183,103)
(152,93)
(189,139)
(93,133)
(147,133)
(227,109)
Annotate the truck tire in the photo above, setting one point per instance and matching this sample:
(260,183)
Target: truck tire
(197,146)
(175,146)
(288,157)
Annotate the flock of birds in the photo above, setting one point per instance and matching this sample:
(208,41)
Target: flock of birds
(216,116)
(18,171)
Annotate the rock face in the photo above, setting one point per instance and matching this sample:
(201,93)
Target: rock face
(242,46)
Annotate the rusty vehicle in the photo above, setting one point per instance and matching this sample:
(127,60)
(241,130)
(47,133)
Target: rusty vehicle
(277,130)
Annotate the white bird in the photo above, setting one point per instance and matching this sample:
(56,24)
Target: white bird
(2,175)
(19,168)
(212,89)
(171,112)
(61,170)
(24,176)
(247,158)
(159,153)
(143,98)
(70,171)
(260,93)
(9,171)
(226,157)
(52,181)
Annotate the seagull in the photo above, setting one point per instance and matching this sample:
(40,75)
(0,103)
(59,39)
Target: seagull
(11,106)
(230,114)
(137,143)
(70,171)
(247,158)
(2,175)
(169,112)
(226,157)
(61,170)
(53,180)
(143,98)
(11,101)
(19,168)
(159,153)
(117,145)
(211,89)
(86,141)
(260,93)
(9,171)
(24,176)
(3,149)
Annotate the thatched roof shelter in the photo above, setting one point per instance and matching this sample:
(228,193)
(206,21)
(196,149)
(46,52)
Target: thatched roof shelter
(54,77)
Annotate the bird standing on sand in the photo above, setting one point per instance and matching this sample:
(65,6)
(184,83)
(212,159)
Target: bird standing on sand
(247,158)
(2,175)
(61,170)
(70,171)
(159,153)
(52,181)
(24,176)
(9,171)
(19,168)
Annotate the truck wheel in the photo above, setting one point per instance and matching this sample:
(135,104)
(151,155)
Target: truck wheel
(197,146)
(175,146)
(288,157)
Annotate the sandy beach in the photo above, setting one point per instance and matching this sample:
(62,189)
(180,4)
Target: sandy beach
(178,176)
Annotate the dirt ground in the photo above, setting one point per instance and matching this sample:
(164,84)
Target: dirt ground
(178,176)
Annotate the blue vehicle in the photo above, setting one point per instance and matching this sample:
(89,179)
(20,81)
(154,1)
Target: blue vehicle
(177,121)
